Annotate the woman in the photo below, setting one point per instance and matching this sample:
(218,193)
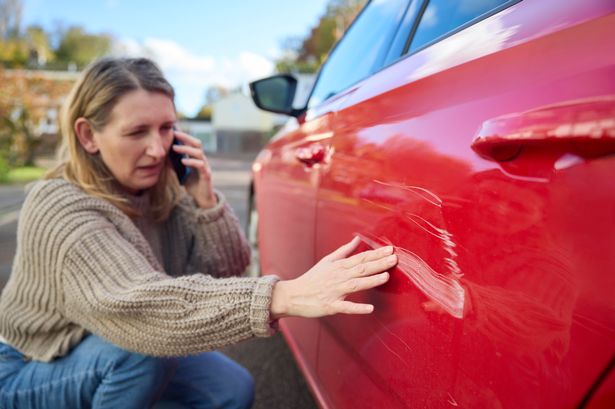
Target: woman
(123,280)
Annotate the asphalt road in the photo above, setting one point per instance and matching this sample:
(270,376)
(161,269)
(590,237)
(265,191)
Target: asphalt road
(279,384)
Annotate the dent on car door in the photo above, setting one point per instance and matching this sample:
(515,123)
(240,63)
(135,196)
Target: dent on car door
(503,296)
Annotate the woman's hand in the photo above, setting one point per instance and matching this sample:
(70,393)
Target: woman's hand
(323,289)
(198,184)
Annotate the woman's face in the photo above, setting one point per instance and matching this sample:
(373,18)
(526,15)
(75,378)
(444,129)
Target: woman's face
(135,141)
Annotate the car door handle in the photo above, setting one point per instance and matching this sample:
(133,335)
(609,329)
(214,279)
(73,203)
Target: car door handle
(311,155)
(585,127)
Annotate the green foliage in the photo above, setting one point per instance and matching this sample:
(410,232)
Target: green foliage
(307,55)
(204,113)
(22,175)
(79,47)
(293,65)
(4,169)
(14,53)
(32,48)
(40,47)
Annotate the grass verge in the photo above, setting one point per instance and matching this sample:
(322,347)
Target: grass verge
(23,175)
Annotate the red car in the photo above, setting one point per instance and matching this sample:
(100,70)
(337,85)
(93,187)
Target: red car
(477,137)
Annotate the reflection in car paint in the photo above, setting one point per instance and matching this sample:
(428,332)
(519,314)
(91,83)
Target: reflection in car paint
(319,136)
(484,38)
(567,160)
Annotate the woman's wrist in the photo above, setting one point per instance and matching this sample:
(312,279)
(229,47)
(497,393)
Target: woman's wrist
(280,297)
(207,203)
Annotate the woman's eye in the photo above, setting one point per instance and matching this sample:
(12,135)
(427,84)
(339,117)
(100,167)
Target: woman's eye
(138,132)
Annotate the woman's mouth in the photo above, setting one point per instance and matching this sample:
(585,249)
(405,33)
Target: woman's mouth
(150,168)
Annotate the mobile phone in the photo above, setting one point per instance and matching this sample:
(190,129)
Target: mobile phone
(181,170)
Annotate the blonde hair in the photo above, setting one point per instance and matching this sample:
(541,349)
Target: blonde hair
(93,97)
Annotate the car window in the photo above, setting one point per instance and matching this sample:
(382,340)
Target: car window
(445,16)
(362,49)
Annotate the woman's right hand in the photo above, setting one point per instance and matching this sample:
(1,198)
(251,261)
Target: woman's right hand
(322,290)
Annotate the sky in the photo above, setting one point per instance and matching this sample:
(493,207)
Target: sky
(197,43)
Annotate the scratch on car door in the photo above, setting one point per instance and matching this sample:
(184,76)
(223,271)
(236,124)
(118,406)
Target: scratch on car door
(444,290)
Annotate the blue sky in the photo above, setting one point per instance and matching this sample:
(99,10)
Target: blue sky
(197,43)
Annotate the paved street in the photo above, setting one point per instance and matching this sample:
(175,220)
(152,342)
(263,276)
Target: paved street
(279,383)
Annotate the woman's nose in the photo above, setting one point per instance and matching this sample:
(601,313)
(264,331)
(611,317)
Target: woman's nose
(155,147)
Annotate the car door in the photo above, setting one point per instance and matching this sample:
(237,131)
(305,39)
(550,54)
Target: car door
(485,156)
(288,175)
(286,183)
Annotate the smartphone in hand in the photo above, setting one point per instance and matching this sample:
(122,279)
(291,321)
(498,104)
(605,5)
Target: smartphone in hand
(181,170)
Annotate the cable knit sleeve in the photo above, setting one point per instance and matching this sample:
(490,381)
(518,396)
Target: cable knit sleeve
(218,246)
(111,290)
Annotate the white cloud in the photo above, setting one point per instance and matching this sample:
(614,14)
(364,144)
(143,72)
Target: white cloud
(191,74)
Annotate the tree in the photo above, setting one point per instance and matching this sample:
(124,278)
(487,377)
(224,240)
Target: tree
(306,55)
(26,100)
(39,45)
(78,47)
(204,113)
(13,50)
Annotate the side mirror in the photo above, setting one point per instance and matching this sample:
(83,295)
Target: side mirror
(276,94)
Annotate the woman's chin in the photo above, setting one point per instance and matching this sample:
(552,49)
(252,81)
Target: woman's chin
(140,185)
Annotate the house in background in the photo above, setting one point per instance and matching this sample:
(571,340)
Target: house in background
(240,127)
(202,130)
(30,102)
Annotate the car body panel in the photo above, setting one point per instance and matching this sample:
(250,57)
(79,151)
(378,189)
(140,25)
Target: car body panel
(286,191)
(503,296)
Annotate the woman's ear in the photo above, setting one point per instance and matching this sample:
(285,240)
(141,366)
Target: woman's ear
(85,134)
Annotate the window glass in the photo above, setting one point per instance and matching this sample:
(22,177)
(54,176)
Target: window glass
(443,16)
(362,49)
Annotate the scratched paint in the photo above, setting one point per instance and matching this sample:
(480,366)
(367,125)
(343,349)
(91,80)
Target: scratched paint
(444,290)
(416,190)
(445,237)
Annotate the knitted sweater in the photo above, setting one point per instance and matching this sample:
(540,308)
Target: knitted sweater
(84,266)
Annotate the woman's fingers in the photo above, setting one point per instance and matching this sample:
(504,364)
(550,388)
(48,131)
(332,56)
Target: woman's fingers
(365,283)
(367,256)
(349,307)
(344,251)
(198,164)
(322,290)
(196,158)
(188,139)
(191,151)
(372,267)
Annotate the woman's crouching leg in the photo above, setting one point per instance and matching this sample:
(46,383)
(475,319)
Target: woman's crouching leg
(210,380)
(94,374)
(131,380)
